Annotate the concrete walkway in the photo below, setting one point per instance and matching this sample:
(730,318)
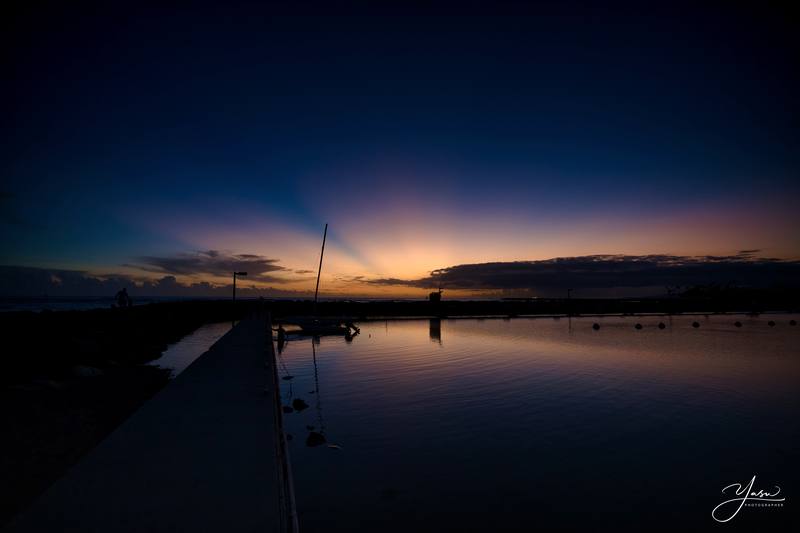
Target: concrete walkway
(205,454)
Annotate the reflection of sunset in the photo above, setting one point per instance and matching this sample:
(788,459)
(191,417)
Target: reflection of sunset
(506,351)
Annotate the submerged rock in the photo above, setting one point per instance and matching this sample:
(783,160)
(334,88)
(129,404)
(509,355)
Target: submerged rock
(299,405)
(315,439)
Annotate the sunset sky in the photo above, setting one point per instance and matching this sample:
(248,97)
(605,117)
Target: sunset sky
(145,143)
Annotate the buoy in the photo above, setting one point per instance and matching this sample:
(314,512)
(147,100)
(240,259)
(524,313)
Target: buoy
(793,322)
(595,326)
(661,325)
(695,324)
(771,323)
(737,324)
(638,326)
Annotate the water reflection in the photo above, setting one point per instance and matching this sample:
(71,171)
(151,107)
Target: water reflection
(315,438)
(435,330)
(550,423)
(180,355)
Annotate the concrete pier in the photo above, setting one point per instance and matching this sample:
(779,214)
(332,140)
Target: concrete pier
(207,453)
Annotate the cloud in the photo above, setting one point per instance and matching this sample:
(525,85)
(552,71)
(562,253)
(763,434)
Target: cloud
(350,279)
(596,275)
(213,263)
(25,282)
(554,276)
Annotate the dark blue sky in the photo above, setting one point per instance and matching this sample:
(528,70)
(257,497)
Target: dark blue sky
(511,131)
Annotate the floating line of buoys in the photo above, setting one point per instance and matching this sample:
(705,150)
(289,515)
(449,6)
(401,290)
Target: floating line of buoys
(695,324)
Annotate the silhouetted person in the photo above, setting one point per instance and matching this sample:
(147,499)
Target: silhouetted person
(123,300)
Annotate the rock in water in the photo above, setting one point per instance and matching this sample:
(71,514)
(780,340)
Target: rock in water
(315,439)
(299,405)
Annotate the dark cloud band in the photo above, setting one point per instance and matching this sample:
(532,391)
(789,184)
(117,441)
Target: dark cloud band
(611,271)
(214,263)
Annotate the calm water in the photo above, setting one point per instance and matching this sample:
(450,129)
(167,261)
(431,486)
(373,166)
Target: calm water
(180,355)
(514,425)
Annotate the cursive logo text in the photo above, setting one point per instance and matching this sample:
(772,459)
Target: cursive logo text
(745,495)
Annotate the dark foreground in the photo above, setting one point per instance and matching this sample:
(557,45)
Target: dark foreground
(69,378)
(205,454)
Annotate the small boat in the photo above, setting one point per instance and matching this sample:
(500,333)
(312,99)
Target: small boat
(322,326)
(315,326)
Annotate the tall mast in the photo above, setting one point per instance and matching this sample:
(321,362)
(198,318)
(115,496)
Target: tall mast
(319,272)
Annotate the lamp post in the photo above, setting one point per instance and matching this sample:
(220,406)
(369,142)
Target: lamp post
(240,274)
